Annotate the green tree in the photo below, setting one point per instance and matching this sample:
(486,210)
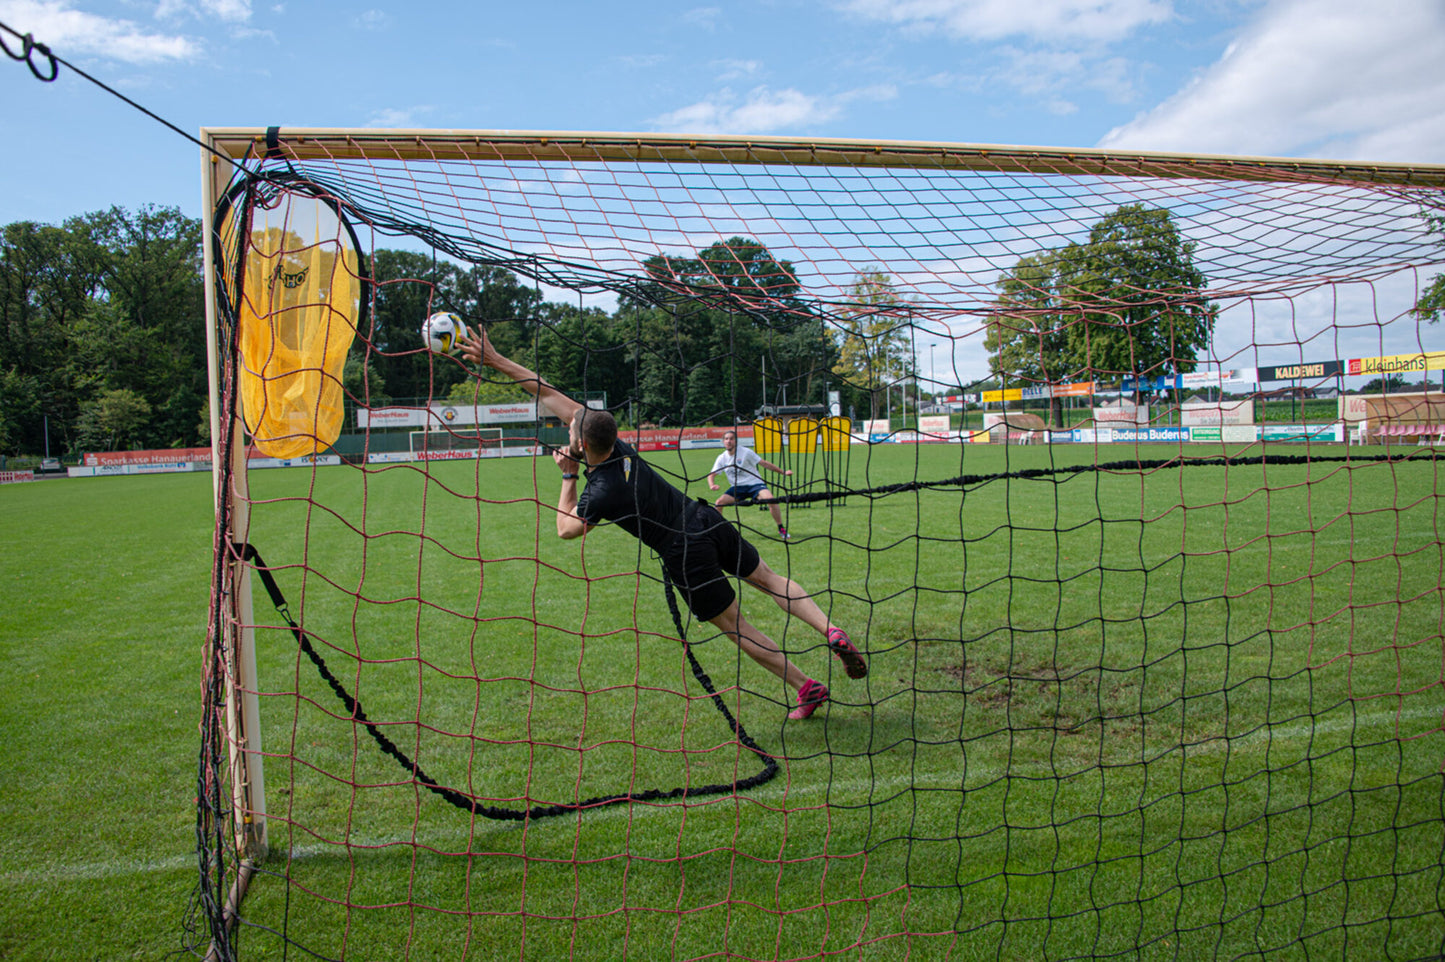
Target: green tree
(873,349)
(1388,384)
(1431,302)
(1128,301)
(362,380)
(579,348)
(109,301)
(20,407)
(707,333)
(151,275)
(486,391)
(410,287)
(114,421)
(1028,336)
(405,284)
(496,297)
(48,276)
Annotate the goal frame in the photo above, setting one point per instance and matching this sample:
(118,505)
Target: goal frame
(225,148)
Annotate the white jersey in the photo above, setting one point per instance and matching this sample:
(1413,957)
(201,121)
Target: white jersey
(741,466)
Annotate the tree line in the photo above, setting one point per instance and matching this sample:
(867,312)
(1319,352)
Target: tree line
(103,345)
(708,338)
(102,332)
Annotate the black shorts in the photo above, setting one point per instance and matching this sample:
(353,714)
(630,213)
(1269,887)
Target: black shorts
(704,559)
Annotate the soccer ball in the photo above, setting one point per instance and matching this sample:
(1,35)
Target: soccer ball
(442,333)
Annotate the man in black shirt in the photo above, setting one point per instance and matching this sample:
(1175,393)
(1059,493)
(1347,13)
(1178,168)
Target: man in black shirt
(700,550)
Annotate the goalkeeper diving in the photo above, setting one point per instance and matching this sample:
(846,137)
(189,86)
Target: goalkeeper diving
(701,550)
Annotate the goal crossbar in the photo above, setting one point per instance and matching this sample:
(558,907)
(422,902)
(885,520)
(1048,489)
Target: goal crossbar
(239,143)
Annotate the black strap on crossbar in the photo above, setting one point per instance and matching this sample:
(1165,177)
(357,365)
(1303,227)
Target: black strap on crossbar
(248,553)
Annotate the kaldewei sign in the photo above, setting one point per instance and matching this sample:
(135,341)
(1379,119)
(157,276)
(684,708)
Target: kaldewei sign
(1300,372)
(440,415)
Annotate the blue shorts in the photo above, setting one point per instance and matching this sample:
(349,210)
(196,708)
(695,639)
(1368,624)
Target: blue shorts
(746,492)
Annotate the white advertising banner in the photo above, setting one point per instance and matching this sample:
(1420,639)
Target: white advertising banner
(1122,414)
(1203,379)
(439,415)
(1210,413)
(935,426)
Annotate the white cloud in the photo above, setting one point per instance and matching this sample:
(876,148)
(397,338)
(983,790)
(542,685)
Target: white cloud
(74,32)
(1058,76)
(1323,78)
(736,69)
(764,111)
(1061,52)
(231,11)
(399,117)
(641,61)
(705,18)
(878,93)
(1053,21)
(373,20)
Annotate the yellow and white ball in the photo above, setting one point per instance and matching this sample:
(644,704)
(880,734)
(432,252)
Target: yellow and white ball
(443,332)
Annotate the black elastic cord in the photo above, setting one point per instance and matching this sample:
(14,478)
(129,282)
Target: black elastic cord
(967,480)
(249,553)
(28,47)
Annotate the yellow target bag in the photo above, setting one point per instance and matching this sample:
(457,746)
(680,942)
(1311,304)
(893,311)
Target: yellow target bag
(295,283)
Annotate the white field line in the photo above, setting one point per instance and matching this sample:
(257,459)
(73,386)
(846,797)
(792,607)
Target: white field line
(817,792)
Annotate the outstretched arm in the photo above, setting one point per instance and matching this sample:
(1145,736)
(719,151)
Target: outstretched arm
(478,347)
(773,467)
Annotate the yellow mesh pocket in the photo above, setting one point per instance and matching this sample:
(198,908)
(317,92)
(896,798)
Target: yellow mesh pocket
(297,306)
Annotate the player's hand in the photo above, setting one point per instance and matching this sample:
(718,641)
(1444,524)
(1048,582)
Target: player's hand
(711,485)
(787,474)
(477,347)
(565,460)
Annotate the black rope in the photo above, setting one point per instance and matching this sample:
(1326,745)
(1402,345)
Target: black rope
(28,48)
(971,480)
(249,553)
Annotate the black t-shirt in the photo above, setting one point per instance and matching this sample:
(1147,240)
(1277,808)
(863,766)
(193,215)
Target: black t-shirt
(625,489)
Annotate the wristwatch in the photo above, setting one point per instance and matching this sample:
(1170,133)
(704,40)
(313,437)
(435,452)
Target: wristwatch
(569,477)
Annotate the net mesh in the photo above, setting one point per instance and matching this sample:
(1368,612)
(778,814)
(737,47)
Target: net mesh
(1147,677)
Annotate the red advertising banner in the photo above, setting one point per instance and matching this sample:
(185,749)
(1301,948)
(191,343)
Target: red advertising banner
(99,459)
(671,439)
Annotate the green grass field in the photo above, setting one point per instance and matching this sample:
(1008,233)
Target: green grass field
(1183,713)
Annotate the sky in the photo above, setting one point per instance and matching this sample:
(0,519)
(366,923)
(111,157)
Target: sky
(1335,79)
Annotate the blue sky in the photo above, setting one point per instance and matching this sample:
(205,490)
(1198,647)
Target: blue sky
(1325,78)
(1339,79)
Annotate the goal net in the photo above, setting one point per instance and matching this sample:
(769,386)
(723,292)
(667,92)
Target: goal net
(1122,473)
(465,440)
